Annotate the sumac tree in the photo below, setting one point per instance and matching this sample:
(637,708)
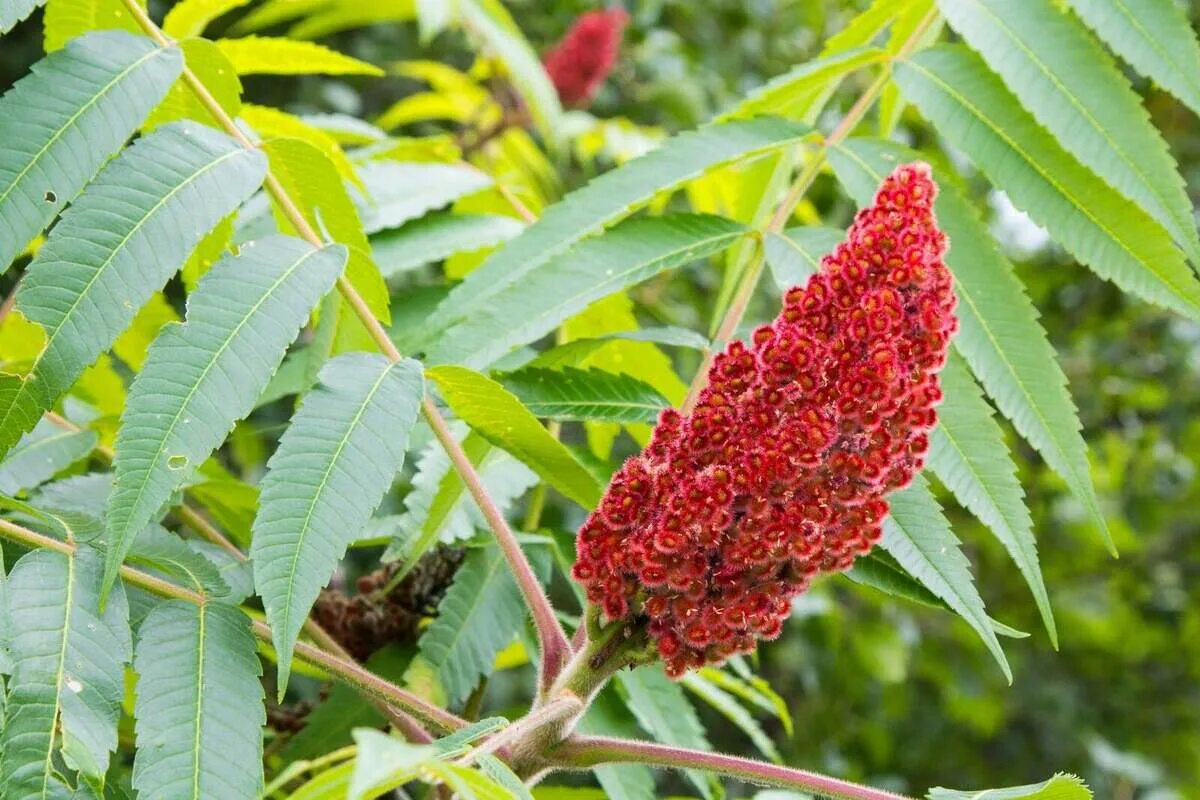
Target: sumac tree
(411,315)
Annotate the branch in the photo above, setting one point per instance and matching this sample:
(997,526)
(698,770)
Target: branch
(552,639)
(783,212)
(580,752)
(196,521)
(346,671)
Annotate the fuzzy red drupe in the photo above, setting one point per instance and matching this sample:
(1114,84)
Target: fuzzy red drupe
(579,63)
(781,471)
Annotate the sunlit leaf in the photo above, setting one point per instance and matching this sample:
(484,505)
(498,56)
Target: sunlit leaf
(265,55)
(498,416)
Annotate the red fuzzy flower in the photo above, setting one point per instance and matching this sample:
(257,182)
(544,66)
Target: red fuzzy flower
(579,63)
(780,473)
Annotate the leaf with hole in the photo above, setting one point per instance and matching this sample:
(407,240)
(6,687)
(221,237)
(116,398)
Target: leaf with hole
(60,124)
(118,244)
(201,377)
(68,670)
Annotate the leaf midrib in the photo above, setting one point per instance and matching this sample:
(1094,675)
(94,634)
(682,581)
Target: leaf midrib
(707,241)
(59,673)
(978,615)
(202,612)
(1031,572)
(815,262)
(1133,21)
(472,606)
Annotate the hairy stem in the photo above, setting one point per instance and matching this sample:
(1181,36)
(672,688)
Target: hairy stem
(783,212)
(346,671)
(553,641)
(533,732)
(580,752)
(551,637)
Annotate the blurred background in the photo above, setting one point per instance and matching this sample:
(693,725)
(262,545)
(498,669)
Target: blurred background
(876,687)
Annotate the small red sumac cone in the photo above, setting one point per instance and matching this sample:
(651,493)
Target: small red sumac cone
(781,471)
(578,64)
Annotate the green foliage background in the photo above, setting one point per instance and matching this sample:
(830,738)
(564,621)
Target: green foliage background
(877,687)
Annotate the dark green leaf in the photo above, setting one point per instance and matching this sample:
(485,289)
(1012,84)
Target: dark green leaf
(201,377)
(60,123)
(199,705)
(1110,234)
(331,470)
(585,394)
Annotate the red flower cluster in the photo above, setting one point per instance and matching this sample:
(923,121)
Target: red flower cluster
(780,472)
(579,63)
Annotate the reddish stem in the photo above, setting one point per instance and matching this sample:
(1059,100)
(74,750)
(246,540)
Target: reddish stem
(579,752)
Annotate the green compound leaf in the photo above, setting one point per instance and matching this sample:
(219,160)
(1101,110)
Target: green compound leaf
(203,376)
(479,616)
(968,454)
(604,201)
(68,670)
(13,11)
(41,454)
(795,255)
(1155,37)
(970,106)
(1070,84)
(331,470)
(663,711)
(255,55)
(629,253)
(399,192)
(572,394)
(191,17)
(918,536)
(1060,787)
(437,236)
(118,244)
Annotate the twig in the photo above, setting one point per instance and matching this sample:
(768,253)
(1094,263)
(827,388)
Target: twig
(346,671)
(812,168)
(196,521)
(550,634)
(580,752)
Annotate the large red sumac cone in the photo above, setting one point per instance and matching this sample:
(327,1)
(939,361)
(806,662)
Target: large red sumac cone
(781,471)
(578,64)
